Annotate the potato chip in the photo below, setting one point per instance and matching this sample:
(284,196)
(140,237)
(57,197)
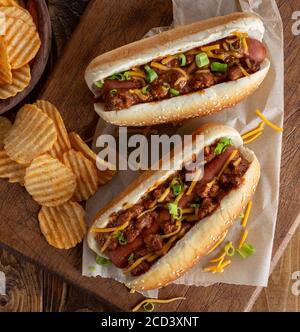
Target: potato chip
(8,3)
(19,13)
(86,174)
(5,126)
(23,42)
(62,144)
(49,181)
(11,170)
(32,134)
(20,80)
(79,145)
(5,67)
(63,226)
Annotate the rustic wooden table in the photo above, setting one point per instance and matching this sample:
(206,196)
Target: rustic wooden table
(31,289)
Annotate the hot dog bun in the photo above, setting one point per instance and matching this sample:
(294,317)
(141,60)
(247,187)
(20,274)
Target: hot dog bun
(180,39)
(198,241)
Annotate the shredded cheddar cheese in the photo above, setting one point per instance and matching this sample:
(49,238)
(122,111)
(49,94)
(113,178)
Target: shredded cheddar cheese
(132,291)
(194,182)
(168,245)
(245,219)
(158,65)
(220,262)
(138,306)
(164,195)
(237,162)
(218,242)
(137,73)
(243,238)
(136,263)
(233,154)
(110,229)
(244,71)
(219,258)
(168,59)
(210,54)
(178,225)
(253,138)
(191,217)
(149,210)
(245,45)
(225,263)
(210,48)
(188,210)
(182,78)
(181,71)
(139,94)
(239,34)
(254,131)
(267,122)
(106,243)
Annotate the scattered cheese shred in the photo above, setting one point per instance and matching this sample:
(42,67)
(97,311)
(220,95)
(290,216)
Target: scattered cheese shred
(233,154)
(136,263)
(168,59)
(158,65)
(244,71)
(138,306)
(218,242)
(210,48)
(106,243)
(178,225)
(225,263)
(248,209)
(243,238)
(245,45)
(254,131)
(110,229)
(267,122)
(219,258)
(253,138)
(194,182)
(137,73)
(164,195)
(210,54)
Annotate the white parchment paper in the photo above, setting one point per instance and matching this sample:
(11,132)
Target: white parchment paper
(2,283)
(270,99)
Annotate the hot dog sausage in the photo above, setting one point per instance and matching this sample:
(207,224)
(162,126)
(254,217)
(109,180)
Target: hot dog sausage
(257,50)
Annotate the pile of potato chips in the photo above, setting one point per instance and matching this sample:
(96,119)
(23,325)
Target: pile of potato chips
(19,44)
(57,168)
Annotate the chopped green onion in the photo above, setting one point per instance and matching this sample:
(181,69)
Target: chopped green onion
(113,91)
(236,49)
(176,186)
(121,239)
(151,74)
(247,250)
(148,307)
(218,66)
(222,145)
(99,84)
(92,268)
(174,210)
(119,77)
(145,89)
(102,260)
(202,60)
(182,59)
(127,75)
(131,257)
(195,205)
(174,92)
(229,249)
(242,215)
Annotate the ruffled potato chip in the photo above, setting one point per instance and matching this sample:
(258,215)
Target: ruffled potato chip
(11,170)
(49,181)
(19,13)
(20,80)
(79,145)
(86,174)
(63,226)
(32,134)
(62,143)
(5,67)
(8,3)
(5,126)
(23,42)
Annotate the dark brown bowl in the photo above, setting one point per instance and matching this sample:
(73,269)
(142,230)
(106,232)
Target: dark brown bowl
(40,61)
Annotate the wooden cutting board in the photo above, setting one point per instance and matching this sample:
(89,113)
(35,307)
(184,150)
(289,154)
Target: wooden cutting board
(107,25)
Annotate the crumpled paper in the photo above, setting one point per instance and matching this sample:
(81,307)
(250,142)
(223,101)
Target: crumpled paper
(270,99)
(2,283)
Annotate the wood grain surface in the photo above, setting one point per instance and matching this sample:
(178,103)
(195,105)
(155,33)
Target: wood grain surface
(31,289)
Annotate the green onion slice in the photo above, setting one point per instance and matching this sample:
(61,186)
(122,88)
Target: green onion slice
(127,75)
(202,60)
(222,145)
(99,84)
(174,210)
(131,257)
(218,66)
(151,74)
(177,186)
(145,89)
(174,92)
(182,59)
(121,239)
(113,91)
(229,249)
(102,260)
(247,250)
(148,307)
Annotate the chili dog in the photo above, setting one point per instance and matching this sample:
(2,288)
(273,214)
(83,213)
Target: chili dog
(158,79)
(165,222)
